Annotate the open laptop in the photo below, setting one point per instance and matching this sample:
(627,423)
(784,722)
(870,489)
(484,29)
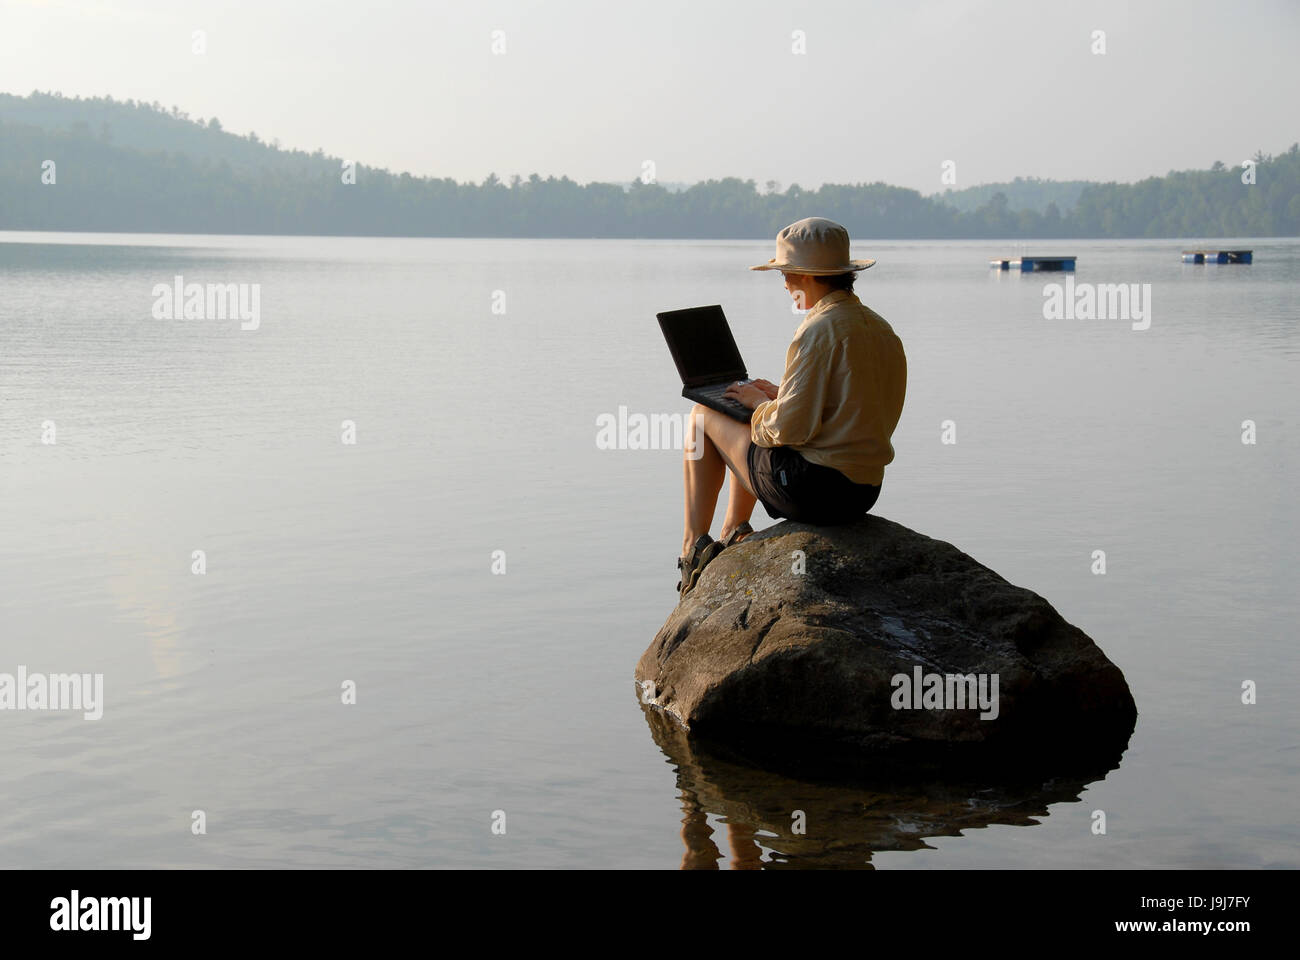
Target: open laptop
(704,350)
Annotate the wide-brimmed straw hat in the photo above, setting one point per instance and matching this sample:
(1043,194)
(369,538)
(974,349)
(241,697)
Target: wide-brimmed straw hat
(814,246)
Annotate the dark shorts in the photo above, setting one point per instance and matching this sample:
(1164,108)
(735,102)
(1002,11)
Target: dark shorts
(794,488)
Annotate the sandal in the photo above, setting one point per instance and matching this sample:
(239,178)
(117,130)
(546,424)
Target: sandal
(735,536)
(691,565)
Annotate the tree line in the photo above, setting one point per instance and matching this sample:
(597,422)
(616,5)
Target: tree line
(104,165)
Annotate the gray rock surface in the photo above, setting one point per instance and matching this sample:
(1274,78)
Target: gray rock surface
(793,641)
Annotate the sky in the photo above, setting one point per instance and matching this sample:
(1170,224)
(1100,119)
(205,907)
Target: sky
(887,91)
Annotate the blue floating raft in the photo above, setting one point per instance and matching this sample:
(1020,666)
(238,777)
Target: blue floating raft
(1216,256)
(1033,264)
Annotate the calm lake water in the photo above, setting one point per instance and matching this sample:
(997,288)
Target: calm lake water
(475,427)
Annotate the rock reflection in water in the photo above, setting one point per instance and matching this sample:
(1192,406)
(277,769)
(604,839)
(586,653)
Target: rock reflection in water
(845,823)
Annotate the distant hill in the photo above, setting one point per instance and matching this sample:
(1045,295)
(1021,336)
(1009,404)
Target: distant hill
(151,128)
(125,166)
(1022,193)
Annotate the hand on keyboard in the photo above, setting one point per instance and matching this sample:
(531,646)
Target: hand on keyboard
(746,393)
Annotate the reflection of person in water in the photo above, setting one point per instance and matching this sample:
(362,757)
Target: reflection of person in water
(702,853)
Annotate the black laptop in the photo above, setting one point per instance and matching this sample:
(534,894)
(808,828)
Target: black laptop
(706,356)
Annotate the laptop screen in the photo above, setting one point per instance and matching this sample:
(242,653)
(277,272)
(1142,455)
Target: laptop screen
(702,345)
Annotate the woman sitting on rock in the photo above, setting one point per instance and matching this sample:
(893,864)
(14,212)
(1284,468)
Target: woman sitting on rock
(817,445)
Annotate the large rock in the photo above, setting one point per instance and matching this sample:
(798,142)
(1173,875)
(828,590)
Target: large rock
(793,642)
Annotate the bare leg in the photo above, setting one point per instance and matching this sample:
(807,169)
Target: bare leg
(715,443)
(740,507)
(702,471)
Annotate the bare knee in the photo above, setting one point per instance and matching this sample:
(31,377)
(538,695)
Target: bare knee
(696,436)
(700,419)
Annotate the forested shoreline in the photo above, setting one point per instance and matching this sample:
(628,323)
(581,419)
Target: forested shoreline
(104,165)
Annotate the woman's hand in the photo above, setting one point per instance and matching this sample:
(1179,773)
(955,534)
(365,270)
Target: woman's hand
(768,387)
(747,394)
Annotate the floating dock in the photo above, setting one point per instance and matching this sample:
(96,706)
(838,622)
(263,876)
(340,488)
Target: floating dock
(1216,256)
(1032,264)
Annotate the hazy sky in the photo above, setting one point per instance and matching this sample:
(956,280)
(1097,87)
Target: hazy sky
(886,91)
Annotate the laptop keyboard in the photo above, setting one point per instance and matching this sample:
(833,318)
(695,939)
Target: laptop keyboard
(716,391)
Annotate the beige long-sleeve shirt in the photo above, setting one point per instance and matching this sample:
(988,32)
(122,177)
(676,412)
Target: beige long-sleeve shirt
(842,391)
